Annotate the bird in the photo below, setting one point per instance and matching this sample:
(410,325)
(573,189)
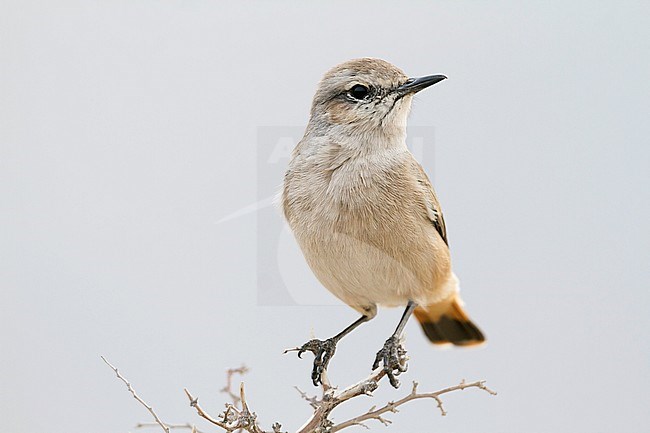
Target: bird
(366,216)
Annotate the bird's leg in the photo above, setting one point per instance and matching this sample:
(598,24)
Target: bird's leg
(324,350)
(393,354)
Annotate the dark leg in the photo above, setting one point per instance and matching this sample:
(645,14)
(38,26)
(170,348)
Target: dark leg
(324,350)
(393,355)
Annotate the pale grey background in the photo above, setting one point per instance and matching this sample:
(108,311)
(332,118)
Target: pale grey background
(128,129)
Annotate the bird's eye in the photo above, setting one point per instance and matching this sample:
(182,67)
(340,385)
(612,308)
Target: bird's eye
(358,92)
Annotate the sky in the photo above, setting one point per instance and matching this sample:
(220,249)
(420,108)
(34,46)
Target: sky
(141,146)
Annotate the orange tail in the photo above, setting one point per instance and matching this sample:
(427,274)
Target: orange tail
(448,323)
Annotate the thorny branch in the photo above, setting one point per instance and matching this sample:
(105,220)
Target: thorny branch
(186,426)
(228,388)
(164,426)
(313,401)
(374,413)
(232,419)
(237,415)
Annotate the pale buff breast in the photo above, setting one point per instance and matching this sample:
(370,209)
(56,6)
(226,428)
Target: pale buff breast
(364,231)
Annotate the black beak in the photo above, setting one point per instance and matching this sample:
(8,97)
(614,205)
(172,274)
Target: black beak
(414,85)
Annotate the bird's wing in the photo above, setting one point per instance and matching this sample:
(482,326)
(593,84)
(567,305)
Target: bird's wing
(434,211)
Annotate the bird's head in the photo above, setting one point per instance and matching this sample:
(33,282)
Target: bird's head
(366,95)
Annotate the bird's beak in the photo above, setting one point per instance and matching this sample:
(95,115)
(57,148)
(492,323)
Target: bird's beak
(414,85)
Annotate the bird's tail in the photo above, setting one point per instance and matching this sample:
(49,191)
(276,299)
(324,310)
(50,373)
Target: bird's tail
(448,323)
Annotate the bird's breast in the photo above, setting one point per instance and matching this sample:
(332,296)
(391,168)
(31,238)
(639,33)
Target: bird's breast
(365,233)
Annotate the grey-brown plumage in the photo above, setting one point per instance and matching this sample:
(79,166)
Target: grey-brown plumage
(362,208)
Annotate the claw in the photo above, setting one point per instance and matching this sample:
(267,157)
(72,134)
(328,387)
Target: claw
(323,352)
(393,356)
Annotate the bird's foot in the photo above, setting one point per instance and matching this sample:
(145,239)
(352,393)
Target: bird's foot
(323,352)
(393,357)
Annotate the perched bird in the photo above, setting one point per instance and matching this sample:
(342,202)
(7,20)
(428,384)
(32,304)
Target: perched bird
(365,214)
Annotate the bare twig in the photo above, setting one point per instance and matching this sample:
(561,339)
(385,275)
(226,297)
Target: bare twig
(186,426)
(194,402)
(238,417)
(233,418)
(414,395)
(313,401)
(319,421)
(228,388)
(164,426)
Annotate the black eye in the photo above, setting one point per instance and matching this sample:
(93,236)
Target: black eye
(358,92)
